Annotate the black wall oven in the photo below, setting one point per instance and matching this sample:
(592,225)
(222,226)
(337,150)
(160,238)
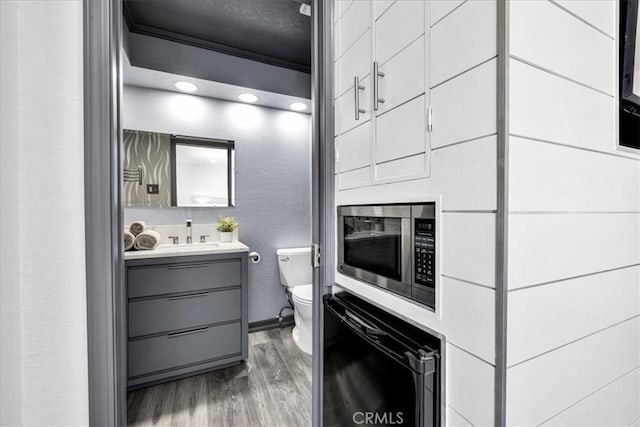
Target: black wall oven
(390,246)
(378,369)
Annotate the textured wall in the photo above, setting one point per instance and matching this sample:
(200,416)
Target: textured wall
(273,151)
(152,151)
(44,376)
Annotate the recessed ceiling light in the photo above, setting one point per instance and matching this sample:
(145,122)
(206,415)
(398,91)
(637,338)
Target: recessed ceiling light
(186,86)
(247,97)
(298,106)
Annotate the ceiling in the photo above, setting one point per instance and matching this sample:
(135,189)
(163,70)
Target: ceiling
(273,32)
(153,79)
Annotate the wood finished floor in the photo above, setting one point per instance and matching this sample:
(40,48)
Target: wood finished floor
(271,389)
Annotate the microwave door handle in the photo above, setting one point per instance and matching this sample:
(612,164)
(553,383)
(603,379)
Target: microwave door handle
(407,255)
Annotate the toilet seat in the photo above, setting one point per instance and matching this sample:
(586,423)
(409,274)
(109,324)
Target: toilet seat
(303,294)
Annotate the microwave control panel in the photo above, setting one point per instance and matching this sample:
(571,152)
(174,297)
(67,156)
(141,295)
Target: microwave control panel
(425,251)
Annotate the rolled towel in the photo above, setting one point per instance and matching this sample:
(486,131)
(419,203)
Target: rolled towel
(129,239)
(147,240)
(137,227)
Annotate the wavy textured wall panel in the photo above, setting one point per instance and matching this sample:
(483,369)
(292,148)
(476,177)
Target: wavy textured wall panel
(152,151)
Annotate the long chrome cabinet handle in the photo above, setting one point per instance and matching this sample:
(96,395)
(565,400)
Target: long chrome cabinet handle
(376,86)
(357,87)
(201,294)
(194,331)
(181,266)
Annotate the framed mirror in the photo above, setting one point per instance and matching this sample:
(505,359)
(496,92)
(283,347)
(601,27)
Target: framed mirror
(163,170)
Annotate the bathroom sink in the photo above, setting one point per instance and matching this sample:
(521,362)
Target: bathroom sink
(187,246)
(184,249)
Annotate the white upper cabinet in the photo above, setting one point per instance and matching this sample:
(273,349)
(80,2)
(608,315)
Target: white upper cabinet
(404,77)
(382,123)
(397,27)
(401,132)
(353,23)
(356,61)
(354,106)
(341,7)
(380,7)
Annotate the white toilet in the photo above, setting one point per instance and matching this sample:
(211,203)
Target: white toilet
(296,275)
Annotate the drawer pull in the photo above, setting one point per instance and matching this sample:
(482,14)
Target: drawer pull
(181,266)
(194,331)
(201,294)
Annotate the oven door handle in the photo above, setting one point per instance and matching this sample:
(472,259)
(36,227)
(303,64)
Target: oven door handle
(367,332)
(364,326)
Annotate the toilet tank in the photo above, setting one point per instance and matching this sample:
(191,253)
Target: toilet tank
(295,266)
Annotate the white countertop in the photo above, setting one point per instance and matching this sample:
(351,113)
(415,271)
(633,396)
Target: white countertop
(184,249)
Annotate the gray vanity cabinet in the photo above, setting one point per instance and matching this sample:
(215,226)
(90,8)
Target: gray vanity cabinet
(185,315)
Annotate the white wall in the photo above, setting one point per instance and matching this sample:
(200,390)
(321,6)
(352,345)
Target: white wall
(463,179)
(574,224)
(43,314)
(10,295)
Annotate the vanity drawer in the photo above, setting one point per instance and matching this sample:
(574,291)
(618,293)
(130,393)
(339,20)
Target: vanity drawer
(183,277)
(175,350)
(184,311)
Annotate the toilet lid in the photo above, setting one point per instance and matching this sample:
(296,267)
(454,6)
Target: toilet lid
(303,293)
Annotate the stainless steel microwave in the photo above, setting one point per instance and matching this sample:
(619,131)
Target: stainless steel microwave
(390,246)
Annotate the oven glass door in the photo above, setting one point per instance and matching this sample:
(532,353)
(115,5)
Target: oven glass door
(374,244)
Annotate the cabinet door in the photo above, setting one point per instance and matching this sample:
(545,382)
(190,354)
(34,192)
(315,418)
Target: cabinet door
(355,20)
(380,7)
(399,25)
(404,77)
(341,7)
(400,50)
(355,61)
(355,148)
(353,129)
(401,135)
(347,118)
(354,151)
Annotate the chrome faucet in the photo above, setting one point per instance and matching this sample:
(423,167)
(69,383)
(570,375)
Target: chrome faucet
(189,238)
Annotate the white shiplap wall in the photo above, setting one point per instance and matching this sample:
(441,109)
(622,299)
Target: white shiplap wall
(574,223)
(463,180)
(43,312)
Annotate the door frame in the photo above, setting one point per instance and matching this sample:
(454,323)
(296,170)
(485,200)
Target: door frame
(322,182)
(106,330)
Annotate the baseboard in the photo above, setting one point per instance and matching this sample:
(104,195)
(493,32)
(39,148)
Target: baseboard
(263,325)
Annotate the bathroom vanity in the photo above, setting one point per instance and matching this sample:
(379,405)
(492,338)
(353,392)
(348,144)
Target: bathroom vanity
(186,310)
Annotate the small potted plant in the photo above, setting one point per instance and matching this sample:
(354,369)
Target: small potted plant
(226,226)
